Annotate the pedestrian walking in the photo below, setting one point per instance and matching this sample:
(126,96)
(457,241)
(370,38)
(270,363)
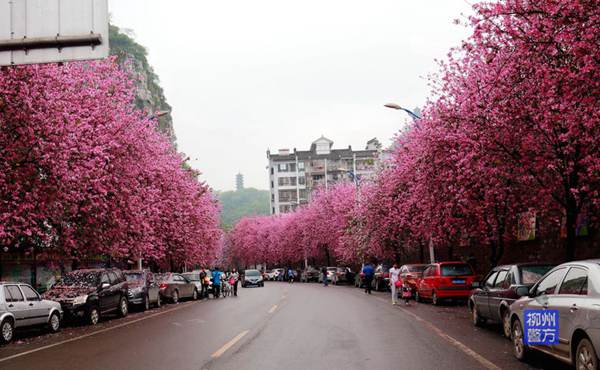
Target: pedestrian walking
(291,275)
(324,273)
(368,272)
(216,277)
(234,280)
(394,282)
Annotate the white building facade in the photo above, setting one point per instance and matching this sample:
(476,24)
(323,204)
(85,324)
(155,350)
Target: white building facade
(294,175)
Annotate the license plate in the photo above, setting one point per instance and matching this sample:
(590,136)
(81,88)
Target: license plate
(458,281)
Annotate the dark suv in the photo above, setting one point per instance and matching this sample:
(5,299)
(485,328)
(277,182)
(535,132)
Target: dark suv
(498,290)
(88,294)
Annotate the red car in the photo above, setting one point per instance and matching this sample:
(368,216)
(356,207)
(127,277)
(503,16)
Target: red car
(446,280)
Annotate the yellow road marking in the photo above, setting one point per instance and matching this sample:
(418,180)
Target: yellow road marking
(273,308)
(229,344)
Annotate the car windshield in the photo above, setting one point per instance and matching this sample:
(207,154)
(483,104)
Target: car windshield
(192,276)
(134,276)
(80,278)
(251,273)
(532,274)
(456,269)
(331,268)
(416,268)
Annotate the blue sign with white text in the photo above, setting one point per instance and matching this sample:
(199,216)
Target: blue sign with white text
(541,327)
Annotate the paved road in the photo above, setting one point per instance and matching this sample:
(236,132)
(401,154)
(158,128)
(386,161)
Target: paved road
(300,326)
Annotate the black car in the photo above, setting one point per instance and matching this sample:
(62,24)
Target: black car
(88,294)
(143,289)
(493,296)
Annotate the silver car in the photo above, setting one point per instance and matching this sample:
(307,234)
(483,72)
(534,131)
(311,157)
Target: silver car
(21,305)
(573,289)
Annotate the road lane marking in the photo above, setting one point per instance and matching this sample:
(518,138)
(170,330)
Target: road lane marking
(17,355)
(229,344)
(456,343)
(273,308)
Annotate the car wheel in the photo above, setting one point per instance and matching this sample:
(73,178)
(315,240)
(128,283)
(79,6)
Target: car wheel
(519,347)
(123,307)
(195,295)
(585,357)
(93,316)
(506,323)
(146,305)
(175,296)
(7,330)
(477,320)
(54,322)
(434,299)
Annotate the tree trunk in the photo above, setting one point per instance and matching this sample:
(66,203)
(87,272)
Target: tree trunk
(421,252)
(571,225)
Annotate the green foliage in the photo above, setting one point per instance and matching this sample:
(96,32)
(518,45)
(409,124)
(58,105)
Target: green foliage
(150,96)
(246,202)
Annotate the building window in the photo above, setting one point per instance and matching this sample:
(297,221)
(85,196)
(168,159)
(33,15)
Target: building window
(301,180)
(300,166)
(273,210)
(284,208)
(272,184)
(282,167)
(287,196)
(272,197)
(272,170)
(317,177)
(292,167)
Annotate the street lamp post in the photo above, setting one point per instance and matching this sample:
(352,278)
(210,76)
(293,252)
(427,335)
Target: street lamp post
(398,107)
(415,117)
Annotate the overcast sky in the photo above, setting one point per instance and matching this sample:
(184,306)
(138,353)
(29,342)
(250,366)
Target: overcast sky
(244,76)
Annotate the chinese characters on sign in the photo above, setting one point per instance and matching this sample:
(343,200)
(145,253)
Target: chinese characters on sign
(541,327)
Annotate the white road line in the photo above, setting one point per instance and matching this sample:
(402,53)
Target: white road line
(456,343)
(273,308)
(229,344)
(91,334)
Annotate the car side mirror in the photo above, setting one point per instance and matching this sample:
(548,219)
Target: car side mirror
(476,284)
(105,285)
(522,291)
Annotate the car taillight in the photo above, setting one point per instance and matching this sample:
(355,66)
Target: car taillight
(162,286)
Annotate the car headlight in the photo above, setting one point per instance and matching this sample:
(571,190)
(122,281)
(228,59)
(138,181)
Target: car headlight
(136,290)
(80,299)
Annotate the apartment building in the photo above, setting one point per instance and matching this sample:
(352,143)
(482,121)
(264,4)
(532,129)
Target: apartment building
(294,175)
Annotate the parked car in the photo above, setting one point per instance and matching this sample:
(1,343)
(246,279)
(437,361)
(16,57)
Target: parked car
(143,289)
(330,272)
(344,275)
(573,289)
(270,275)
(21,306)
(279,274)
(309,274)
(252,278)
(194,278)
(381,279)
(91,293)
(412,273)
(445,280)
(498,290)
(173,287)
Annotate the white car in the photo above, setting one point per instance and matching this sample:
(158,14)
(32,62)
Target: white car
(21,306)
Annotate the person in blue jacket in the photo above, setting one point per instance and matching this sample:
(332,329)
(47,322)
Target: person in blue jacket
(368,272)
(216,278)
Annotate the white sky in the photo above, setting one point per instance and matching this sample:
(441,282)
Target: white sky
(243,76)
